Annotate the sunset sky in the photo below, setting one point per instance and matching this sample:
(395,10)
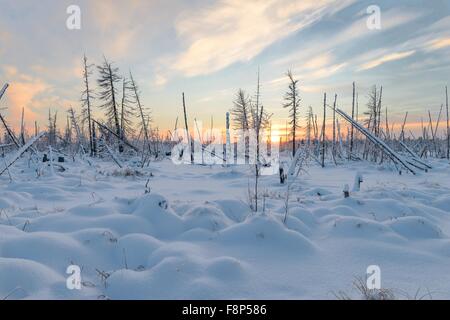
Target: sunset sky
(209,49)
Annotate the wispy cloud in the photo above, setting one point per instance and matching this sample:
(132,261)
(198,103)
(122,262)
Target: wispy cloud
(353,32)
(327,71)
(319,61)
(439,44)
(384,59)
(234,31)
(432,38)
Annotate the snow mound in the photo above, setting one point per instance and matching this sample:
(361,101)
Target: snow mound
(172,271)
(345,211)
(206,217)
(171,278)
(21,278)
(176,272)
(118,223)
(233,209)
(354,227)
(226,269)
(137,248)
(52,249)
(154,208)
(442,202)
(296,224)
(263,231)
(10,199)
(304,215)
(416,228)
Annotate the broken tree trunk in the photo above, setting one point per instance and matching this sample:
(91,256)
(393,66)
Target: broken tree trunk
(2,92)
(8,130)
(299,154)
(378,142)
(21,151)
(415,157)
(102,126)
(113,156)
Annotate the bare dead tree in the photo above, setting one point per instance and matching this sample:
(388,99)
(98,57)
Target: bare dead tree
(353,118)
(94,139)
(448,128)
(292,99)
(379,112)
(372,117)
(309,125)
(388,133)
(260,120)
(52,128)
(434,131)
(74,120)
(68,131)
(127,110)
(187,130)
(258,161)
(402,132)
(333,148)
(142,114)
(228,154)
(22,127)
(86,101)
(323,128)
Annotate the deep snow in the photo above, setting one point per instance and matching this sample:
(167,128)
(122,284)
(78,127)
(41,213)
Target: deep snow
(194,237)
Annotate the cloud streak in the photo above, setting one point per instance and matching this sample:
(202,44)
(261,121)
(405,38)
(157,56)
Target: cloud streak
(386,58)
(236,31)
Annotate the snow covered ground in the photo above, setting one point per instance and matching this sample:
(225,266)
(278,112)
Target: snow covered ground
(193,235)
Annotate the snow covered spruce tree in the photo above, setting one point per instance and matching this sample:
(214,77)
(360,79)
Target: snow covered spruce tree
(108,82)
(292,101)
(241,110)
(241,116)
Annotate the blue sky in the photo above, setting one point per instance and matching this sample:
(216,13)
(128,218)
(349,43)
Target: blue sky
(209,49)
